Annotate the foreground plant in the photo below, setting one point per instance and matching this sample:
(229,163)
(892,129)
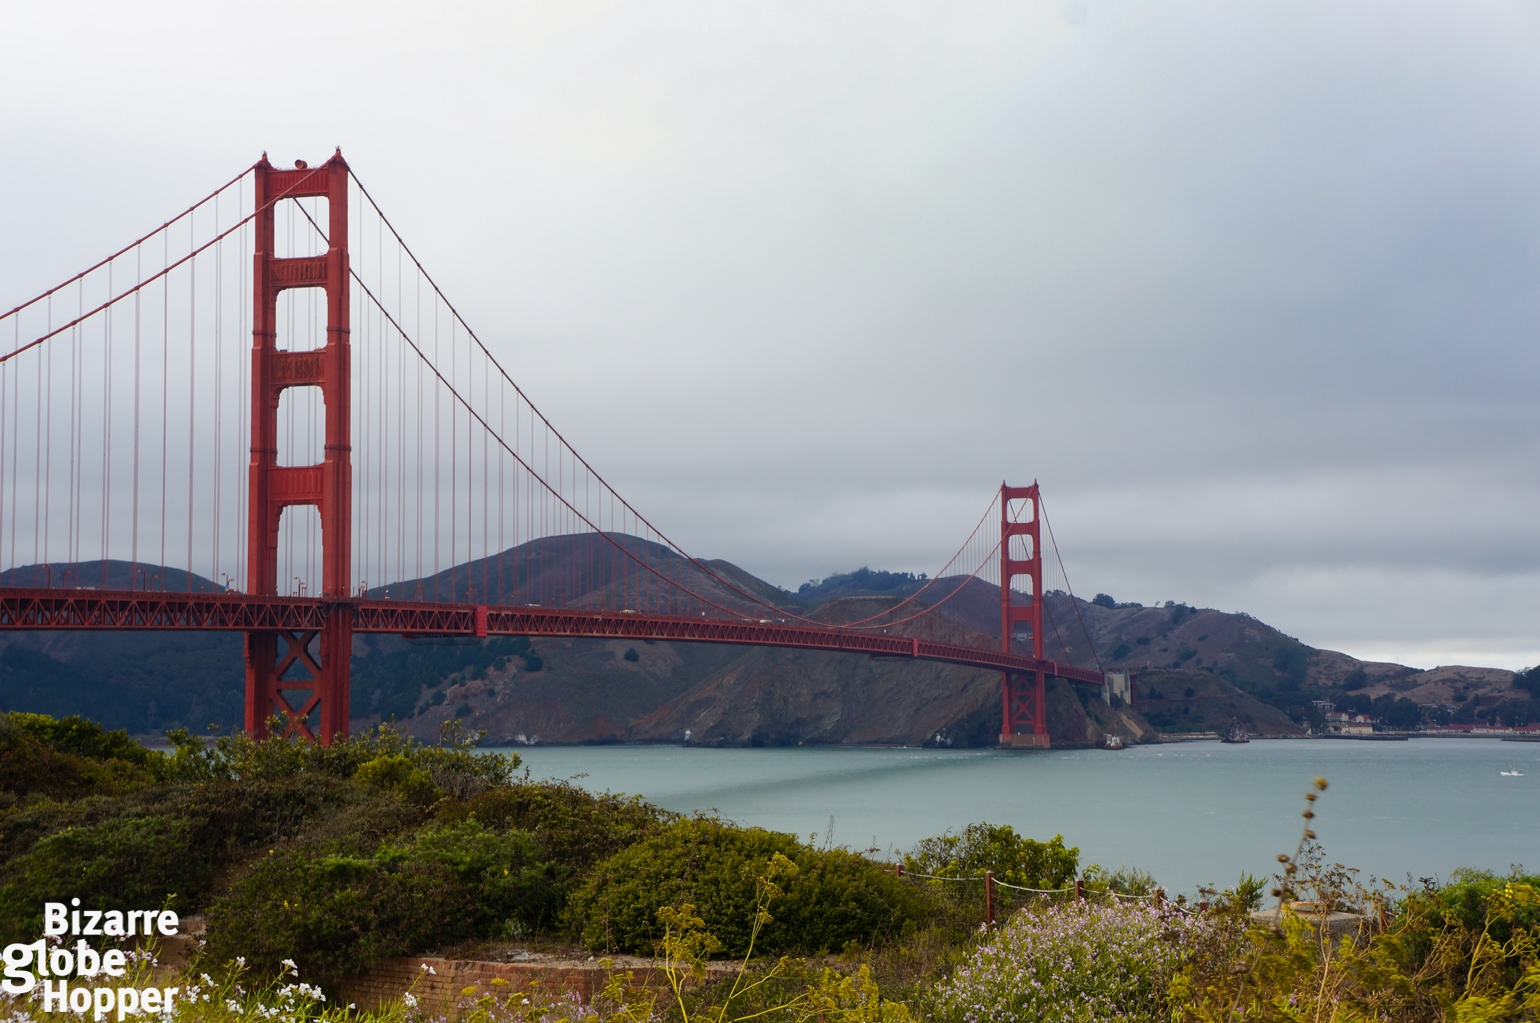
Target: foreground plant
(762,993)
(230,995)
(1466,953)
(1071,963)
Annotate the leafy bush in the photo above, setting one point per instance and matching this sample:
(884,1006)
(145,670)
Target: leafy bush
(1015,859)
(1123,881)
(1468,953)
(453,765)
(336,907)
(143,862)
(1466,901)
(835,897)
(1071,963)
(139,850)
(32,770)
(395,773)
(573,828)
(82,738)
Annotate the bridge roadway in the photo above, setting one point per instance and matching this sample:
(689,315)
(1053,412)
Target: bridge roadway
(238,612)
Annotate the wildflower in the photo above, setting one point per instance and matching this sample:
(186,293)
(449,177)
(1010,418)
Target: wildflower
(1070,964)
(409,1000)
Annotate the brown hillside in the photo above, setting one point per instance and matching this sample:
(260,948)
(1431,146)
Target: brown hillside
(784,697)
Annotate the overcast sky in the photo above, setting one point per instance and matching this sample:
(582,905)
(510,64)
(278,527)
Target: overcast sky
(1252,288)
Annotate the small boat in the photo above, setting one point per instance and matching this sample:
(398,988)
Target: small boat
(1235,733)
(1512,772)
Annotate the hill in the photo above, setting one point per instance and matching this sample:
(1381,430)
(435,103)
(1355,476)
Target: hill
(1198,667)
(141,681)
(784,697)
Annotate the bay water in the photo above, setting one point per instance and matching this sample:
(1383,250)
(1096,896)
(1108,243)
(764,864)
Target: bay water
(1189,813)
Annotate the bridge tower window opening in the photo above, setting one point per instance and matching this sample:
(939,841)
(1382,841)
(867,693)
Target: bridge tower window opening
(301,413)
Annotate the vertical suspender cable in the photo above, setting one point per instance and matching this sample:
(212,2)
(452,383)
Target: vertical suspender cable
(454,470)
(105,501)
(192,395)
(133,562)
(44,452)
(165,390)
(219,391)
(438,454)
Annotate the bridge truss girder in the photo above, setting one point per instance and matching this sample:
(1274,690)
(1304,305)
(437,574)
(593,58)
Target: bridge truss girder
(47,609)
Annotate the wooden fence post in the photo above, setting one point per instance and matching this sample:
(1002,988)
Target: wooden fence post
(989,897)
(1079,889)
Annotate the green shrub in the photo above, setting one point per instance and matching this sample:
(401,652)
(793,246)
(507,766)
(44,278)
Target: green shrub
(132,862)
(835,897)
(33,768)
(83,738)
(396,774)
(138,850)
(1467,899)
(1124,880)
(573,828)
(453,765)
(1015,859)
(338,906)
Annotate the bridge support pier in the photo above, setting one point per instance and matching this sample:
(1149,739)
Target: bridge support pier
(324,655)
(1025,719)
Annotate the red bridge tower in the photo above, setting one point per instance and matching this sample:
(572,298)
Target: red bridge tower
(328,486)
(1024,721)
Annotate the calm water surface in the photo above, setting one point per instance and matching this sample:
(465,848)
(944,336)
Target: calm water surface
(1189,813)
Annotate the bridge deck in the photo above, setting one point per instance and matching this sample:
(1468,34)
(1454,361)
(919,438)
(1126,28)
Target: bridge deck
(238,612)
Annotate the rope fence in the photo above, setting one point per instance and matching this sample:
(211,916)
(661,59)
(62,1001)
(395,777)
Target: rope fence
(1081,891)
(1037,891)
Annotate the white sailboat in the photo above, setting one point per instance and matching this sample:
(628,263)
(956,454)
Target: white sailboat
(1512,772)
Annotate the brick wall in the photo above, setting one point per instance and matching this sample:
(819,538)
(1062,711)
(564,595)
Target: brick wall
(454,980)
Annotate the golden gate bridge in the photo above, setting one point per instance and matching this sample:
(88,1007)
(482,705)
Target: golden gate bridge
(386,445)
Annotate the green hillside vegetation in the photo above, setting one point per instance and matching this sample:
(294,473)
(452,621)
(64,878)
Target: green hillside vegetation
(327,859)
(139,681)
(390,684)
(339,856)
(863,582)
